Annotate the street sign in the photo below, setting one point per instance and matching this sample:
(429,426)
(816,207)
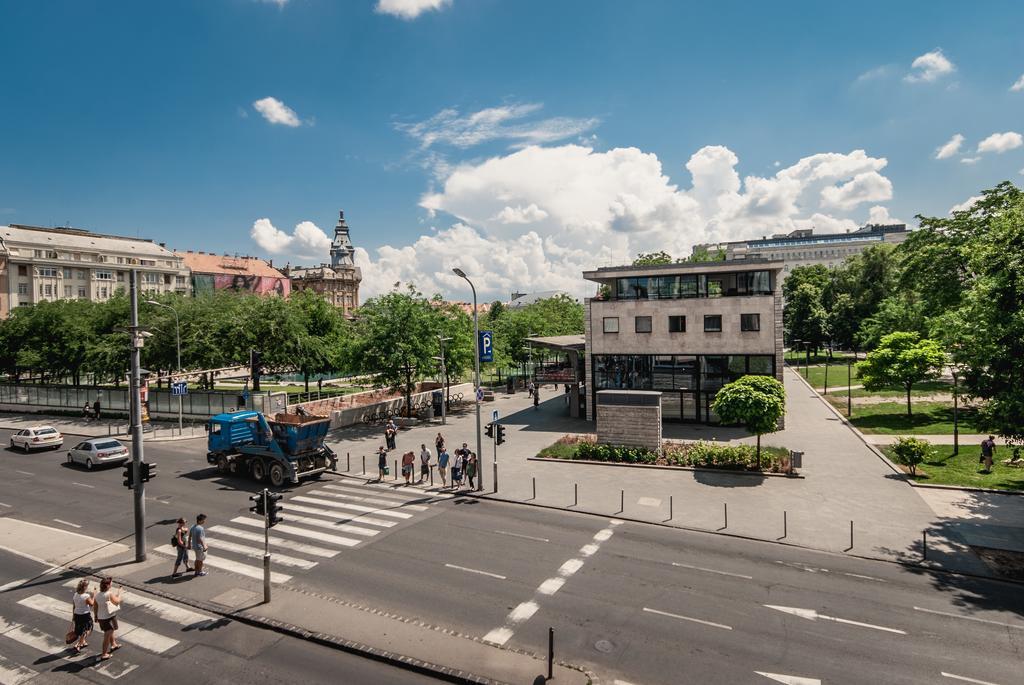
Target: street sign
(479,394)
(486,346)
(494,415)
(179,388)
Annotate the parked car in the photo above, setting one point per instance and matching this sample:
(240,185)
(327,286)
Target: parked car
(98,452)
(37,438)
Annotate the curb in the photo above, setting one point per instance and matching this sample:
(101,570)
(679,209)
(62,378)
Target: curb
(554,460)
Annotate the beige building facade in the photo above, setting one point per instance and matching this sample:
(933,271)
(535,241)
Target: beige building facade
(46,264)
(337,282)
(684,330)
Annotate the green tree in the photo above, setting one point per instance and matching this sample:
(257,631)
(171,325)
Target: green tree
(805,318)
(910,452)
(902,358)
(757,403)
(702,254)
(652,258)
(816,275)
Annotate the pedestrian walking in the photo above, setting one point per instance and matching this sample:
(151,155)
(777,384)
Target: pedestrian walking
(457,470)
(530,387)
(407,461)
(87,411)
(988,453)
(106,605)
(442,466)
(536,398)
(180,543)
(425,457)
(390,431)
(96,409)
(82,602)
(382,463)
(471,469)
(439,443)
(197,541)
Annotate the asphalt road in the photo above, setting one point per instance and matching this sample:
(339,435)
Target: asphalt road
(634,602)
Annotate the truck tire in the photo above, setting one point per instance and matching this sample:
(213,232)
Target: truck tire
(277,477)
(259,470)
(223,467)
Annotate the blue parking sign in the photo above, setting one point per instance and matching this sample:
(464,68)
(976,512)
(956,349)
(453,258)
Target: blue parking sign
(486,346)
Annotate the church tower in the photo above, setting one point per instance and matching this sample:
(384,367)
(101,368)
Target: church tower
(342,252)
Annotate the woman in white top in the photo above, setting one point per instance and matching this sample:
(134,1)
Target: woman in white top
(81,615)
(107,603)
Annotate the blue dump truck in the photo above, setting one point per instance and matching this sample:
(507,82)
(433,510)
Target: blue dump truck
(284,449)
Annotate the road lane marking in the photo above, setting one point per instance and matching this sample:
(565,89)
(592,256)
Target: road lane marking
(228,565)
(67,523)
(276,541)
(520,535)
(345,492)
(4,504)
(339,517)
(83,485)
(301,532)
(588,550)
(24,473)
(688,618)
(14,583)
(362,509)
(257,553)
(129,632)
(173,613)
(789,679)
(524,611)
(499,636)
(42,642)
(14,674)
(331,506)
(551,586)
(405,490)
(320,523)
(966,679)
(473,570)
(968,618)
(570,567)
(857,575)
(711,570)
(812,615)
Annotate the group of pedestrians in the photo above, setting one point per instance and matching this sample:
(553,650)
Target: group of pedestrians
(103,605)
(185,539)
(461,464)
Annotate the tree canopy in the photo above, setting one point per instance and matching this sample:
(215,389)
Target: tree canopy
(757,403)
(903,359)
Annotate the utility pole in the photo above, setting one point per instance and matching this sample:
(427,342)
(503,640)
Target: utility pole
(478,390)
(135,403)
(444,381)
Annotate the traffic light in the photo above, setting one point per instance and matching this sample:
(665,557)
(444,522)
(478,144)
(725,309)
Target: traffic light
(501,434)
(273,509)
(258,507)
(489,430)
(129,474)
(147,471)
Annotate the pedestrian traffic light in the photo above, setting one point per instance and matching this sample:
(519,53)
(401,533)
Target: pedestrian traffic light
(273,509)
(129,474)
(489,430)
(147,471)
(501,434)
(257,508)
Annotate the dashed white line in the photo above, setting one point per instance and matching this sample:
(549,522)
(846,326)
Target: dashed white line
(966,679)
(83,485)
(24,473)
(67,523)
(4,504)
(523,612)
(473,570)
(688,618)
(857,575)
(711,570)
(570,567)
(520,535)
(588,550)
(969,618)
(551,586)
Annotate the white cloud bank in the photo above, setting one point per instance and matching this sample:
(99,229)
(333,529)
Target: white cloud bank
(966,204)
(410,9)
(929,67)
(276,112)
(1001,142)
(308,241)
(535,218)
(950,147)
(1018,85)
(507,122)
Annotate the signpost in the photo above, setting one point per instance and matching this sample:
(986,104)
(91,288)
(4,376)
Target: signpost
(179,388)
(486,346)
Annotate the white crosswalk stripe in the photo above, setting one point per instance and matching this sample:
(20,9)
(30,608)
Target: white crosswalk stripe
(358,518)
(257,553)
(172,613)
(320,523)
(340,517)
(345,492)
(14,674)
(421,492)
(374,510)
(275,542)
(301,532)
(229,565)
(40,641)
(129,632)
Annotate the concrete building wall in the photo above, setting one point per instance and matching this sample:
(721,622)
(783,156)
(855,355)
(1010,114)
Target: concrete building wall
(629,425)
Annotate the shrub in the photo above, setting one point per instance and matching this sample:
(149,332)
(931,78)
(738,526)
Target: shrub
(910,452)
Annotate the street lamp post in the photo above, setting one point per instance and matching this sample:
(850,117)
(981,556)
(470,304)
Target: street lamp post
(177,340)
(476,361)
(956,417)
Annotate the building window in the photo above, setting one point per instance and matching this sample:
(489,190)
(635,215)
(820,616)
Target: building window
(47,271)
(151,279)
(642,324)
(712,323)
(611,324)
(120,277)
(104,275)
(80,274)
(179,280)
(48,290)
(120,260)
(37,253)
(677,324)
(103,293)
(67,273)
(22,270)
(23,288)
(81,291)
(750,322)
(67,291)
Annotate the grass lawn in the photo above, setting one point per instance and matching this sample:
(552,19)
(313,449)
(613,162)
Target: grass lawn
(791,357)
(942,468)
(919,390)
(836,376)
(935,418)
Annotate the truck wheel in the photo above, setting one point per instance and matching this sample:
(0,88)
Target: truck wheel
(222,465)
(276,475)
(259,470)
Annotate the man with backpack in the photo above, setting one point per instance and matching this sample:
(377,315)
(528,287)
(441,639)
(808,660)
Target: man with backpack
(178,542)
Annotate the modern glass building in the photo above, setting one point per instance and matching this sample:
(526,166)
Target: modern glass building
(684,330)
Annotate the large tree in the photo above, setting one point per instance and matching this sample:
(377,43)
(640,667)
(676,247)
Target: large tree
(804,317)
(902,359)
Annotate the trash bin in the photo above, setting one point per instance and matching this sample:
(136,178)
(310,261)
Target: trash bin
(436,399)
(510,385)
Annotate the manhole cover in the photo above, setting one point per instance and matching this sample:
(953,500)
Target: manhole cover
(604,646)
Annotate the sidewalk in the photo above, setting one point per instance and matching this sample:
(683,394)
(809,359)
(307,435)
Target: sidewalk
(323,619)
(157,432)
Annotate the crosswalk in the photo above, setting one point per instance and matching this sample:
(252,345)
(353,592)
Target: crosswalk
(32,629)
(319,524)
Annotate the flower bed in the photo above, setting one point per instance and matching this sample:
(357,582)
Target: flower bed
(740,457)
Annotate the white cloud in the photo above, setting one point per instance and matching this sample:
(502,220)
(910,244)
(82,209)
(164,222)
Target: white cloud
(1018,85)
(307,241)
(950,147)
(930,67)
(276,112)
(521,215)
(602,208)
(410,9)
(1001,142)
(966,204)
(970,160)
(449,127)
(874,74)
(880,215)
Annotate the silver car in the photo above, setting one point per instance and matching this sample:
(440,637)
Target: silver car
(37,438)
(98,452)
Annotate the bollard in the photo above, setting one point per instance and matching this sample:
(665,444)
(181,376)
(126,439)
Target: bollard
(671,514)
(924,545)
(622,501)
(575,494)
(396,469)
(431,475)
(364,464)
(785,527)
(725,512)
(534,488)
(851,534)
(551,652)
(348,462)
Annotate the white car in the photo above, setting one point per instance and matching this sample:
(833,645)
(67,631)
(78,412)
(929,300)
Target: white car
(37,438)
(98,452)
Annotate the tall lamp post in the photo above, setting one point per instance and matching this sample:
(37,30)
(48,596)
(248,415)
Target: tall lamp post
(476,362)
(177,340)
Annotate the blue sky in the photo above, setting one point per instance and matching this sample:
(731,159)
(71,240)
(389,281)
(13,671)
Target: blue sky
(520,140)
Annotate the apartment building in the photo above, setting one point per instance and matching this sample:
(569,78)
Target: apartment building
(684,330)
(39,264)
(244,274)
